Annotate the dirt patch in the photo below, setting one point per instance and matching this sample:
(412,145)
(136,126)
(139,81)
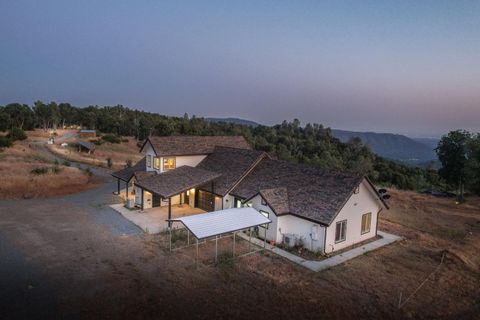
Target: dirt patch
(94,273)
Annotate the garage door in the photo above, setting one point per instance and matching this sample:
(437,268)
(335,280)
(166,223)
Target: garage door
(205,200)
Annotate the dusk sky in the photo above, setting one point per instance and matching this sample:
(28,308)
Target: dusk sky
(388,66)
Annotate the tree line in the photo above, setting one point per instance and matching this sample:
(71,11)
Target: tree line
(311,144)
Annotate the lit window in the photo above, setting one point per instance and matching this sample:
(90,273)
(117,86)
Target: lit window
(149,161)
(156,163)
(168,164)
(266,215)
(366,222)
(340,231)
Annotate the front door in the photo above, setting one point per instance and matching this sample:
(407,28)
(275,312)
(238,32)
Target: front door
(156,200)
(205,201)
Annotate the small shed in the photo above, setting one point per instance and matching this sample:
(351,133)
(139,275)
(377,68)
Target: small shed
(85,145)
(87,134)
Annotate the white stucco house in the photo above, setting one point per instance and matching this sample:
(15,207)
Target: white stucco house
(321,210)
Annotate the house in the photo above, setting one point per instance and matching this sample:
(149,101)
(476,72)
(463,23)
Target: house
(321,210)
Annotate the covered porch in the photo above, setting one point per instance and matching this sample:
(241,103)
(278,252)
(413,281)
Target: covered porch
(175,187)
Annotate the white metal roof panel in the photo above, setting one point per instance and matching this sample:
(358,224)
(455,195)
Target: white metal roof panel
(223,221)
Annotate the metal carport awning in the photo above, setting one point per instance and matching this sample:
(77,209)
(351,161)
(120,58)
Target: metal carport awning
(220,222)
(217,223)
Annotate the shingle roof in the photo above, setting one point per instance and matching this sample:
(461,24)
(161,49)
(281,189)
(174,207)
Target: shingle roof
(277,198)
(193,145)
(311,193)
(173,182)
(232,163)
(127,173)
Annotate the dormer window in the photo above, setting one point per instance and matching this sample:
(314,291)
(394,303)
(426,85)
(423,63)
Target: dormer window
(168,164)
(149,161)
(156,163)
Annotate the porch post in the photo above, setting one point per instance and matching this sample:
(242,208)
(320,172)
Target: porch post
(126,192)
(142,199)
(265,237)
(169,211)
(118,186)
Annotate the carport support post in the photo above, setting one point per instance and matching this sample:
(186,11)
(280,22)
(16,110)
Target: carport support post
(250,240)
(233,244)
(216,248)
(196,257)
(118,186)
(170,236)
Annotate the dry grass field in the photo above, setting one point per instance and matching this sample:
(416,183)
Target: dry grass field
(119,153)
(26,170)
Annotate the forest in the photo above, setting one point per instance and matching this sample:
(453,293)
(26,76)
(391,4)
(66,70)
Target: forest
(311,144)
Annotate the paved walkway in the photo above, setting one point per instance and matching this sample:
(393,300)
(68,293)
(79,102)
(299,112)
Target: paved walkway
(386,238)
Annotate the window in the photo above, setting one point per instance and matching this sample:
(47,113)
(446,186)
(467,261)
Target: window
(266,215)
(168,164)
(366,221)
(156,163)
(340,231)
(264,203)
(357,190)
(238,203)
(149,161)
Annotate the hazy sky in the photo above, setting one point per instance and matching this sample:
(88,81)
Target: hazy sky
(398,66)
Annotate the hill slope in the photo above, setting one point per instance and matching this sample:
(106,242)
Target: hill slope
(392,146)
(235,121)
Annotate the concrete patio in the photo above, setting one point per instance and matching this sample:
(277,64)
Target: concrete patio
(154,220)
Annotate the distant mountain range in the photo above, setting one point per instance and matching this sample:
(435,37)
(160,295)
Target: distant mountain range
(395,146)
(412,151)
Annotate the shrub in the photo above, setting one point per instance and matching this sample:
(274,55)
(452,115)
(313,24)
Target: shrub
(55,170)
(109,162)
(88,171)
(5,142)
(66,163)
(39,171)
(111,138)
(128,163)
(56,162)
(16,134)
(124,140)
(97,142)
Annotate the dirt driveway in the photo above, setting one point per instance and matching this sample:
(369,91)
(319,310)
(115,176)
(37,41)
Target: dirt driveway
(74,257)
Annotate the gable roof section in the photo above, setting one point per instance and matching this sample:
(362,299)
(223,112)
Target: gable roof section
(232,163)
(127,173)
(277,199)
(193,145)
(173,182)
(311,193)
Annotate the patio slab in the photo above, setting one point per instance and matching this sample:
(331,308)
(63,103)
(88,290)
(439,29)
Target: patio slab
(154,220)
